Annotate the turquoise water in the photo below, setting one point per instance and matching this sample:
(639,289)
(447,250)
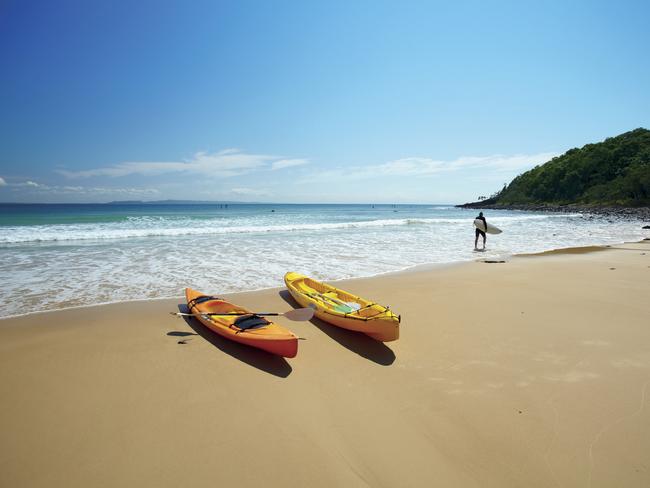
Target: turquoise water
(55,256)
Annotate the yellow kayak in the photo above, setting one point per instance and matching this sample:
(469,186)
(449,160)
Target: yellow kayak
(343,309)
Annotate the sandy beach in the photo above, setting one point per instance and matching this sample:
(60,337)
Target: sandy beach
(532,372)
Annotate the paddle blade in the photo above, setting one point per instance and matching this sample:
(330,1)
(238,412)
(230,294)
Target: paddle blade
(300,314)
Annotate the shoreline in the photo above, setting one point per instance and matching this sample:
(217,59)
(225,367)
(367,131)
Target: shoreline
(641,213)
(411,269)
(47,276)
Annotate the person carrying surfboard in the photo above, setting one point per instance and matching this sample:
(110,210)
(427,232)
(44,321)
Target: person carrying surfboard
(480,232)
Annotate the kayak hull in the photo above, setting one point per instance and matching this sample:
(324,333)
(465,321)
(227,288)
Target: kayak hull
(272,338)
(343,309)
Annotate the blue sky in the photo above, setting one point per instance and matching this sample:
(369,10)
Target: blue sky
(368,102)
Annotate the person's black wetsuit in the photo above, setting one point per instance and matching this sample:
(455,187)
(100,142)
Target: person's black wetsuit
(479,232)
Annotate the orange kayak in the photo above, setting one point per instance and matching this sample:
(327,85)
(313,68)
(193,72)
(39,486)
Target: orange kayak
(246,328)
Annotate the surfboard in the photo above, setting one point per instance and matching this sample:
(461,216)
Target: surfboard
(491,229)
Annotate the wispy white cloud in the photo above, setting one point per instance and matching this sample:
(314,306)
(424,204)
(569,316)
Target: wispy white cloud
(20,184)
(229,162)
(411,166)
(247,192)
(242,191)
(40,188)
(425,167)
(288,163)
(517,162)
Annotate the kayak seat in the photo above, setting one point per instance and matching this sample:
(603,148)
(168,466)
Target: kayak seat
(201,299)
(304,288)
(251,322)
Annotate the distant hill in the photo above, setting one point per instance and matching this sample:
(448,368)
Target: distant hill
(615,172)
(173,202)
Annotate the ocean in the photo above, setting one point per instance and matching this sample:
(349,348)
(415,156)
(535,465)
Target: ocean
(57,256)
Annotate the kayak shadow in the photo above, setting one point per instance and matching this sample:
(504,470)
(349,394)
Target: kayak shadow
(264,361)
(178,333)
(356,342)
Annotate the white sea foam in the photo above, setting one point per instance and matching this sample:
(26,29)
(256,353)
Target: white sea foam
(157,227)
(45,267)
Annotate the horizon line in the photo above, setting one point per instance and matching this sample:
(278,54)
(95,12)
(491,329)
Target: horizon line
(211,202)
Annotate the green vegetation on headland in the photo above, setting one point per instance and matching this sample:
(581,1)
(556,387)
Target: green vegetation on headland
(612,173)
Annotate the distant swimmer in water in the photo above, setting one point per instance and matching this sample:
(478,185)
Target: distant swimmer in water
(480,232)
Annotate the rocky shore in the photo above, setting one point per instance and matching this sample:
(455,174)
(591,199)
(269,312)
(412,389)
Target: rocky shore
(636,213)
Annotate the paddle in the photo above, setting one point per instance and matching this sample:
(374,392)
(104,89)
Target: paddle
(354,306)
(297,314)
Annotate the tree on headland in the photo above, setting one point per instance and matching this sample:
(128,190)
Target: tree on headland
(613,172)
